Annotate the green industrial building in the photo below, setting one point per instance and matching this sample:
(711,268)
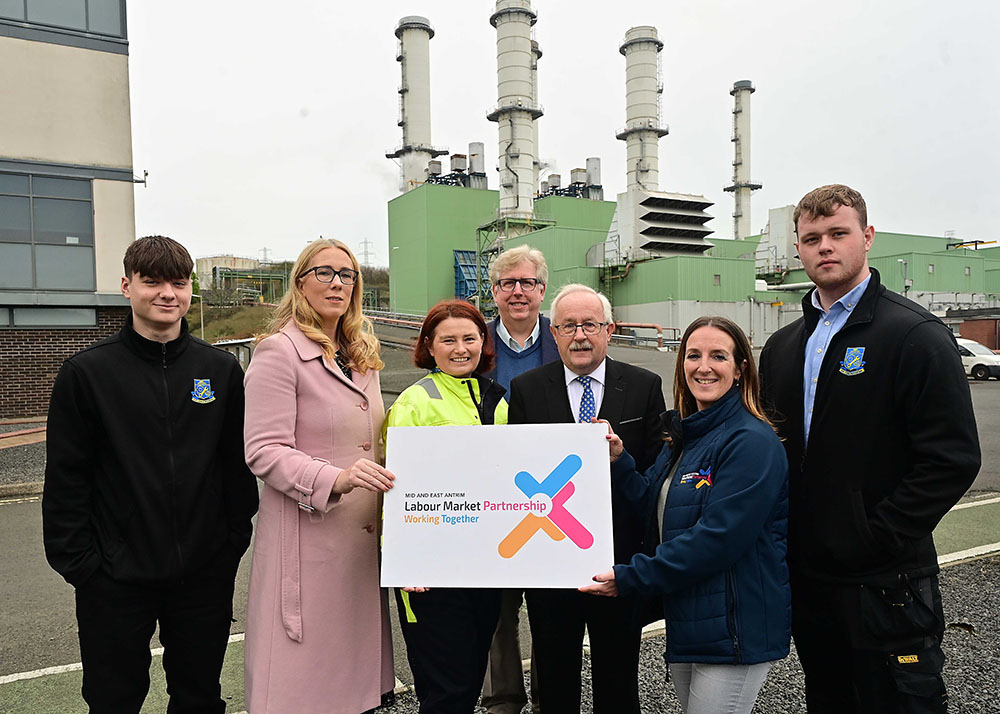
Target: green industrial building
(435,230)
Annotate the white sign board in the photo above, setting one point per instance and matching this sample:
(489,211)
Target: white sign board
(497,506)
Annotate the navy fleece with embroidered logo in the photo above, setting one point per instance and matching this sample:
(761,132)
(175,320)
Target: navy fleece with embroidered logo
(720,563)
(145,476)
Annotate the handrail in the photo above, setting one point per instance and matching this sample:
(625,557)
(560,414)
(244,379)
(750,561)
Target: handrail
(652,326)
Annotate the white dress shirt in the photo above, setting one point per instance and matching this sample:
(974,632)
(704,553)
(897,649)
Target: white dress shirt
(508,340)
(575,389)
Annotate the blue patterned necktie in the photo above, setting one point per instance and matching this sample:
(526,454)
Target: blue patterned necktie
(587,408)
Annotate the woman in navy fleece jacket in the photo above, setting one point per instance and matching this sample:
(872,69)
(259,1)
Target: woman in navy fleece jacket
(716,502)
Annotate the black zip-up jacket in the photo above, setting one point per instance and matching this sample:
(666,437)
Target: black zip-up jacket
(145,475)
(892,444)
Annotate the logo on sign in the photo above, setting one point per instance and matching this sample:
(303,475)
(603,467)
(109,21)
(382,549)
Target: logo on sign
(559,523)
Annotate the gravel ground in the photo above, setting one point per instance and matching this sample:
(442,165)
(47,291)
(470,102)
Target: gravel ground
(971,643)
(22,464)
(970,592)
(19,426)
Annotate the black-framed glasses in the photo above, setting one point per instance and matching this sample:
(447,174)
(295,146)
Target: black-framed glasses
(527,284)
(568,329)
(325,274)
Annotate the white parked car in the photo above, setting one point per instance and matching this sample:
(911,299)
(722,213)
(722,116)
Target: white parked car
(980,362)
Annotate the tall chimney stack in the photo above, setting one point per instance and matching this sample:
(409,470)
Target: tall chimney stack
(413,54)
(516,108)
(742,186)
(643,130)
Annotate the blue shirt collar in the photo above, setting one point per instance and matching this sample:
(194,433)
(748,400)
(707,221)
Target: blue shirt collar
(847,302)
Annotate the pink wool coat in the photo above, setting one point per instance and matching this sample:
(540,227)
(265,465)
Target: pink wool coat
(317,637)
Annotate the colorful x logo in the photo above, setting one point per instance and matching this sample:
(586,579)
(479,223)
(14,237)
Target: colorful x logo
(559,523)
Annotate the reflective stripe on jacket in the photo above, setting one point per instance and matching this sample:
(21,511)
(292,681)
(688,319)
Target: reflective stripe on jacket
(442,400)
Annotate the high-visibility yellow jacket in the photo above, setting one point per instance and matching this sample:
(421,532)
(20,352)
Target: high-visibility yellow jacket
(440,399)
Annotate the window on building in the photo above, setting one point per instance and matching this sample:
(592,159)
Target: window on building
(101,17)
(930,267)
(105,17)
(54,317)
(968,270)
(12,9)
(46,233)
(716,279)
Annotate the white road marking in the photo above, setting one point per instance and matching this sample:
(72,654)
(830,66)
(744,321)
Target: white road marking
(7,679)
(970,553)
(981,502)
(77,666)
(649,630)
(25,499)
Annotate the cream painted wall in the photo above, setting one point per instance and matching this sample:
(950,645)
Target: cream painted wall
(114,230)
(72,105)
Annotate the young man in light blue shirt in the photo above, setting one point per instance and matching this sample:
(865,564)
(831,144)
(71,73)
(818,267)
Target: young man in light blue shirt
(886,445)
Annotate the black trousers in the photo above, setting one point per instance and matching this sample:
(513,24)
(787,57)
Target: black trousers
(448,632)
(872,648)
(116,623)
(557,619)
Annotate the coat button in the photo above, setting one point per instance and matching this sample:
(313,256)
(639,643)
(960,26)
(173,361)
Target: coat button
(367,446)
(364,406)
(370,528)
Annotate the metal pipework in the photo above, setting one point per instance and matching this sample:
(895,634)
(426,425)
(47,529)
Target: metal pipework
(536,54)
(643,88)
(516,109)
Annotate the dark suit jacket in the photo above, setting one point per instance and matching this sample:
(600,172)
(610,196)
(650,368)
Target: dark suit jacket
(632,404)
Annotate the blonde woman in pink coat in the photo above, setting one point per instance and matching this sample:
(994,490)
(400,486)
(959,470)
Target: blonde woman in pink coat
(317,636)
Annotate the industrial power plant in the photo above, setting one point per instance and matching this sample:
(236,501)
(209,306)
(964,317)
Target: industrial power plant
(651,250)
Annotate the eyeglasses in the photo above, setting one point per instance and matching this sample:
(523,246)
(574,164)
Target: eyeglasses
(568,329)
(325,274)
(527,284)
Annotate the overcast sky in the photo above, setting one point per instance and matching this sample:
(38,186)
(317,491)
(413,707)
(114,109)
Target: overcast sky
(264,124)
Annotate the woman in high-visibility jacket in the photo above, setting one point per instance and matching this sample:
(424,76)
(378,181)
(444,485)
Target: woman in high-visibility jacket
(448,631)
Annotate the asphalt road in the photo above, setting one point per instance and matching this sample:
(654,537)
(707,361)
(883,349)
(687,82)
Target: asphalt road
(37,624)
(37,630)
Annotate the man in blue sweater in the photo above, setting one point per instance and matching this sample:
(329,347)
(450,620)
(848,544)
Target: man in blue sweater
(523,341)
(521,335)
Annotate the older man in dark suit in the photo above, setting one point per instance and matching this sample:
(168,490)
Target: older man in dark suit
(584,385)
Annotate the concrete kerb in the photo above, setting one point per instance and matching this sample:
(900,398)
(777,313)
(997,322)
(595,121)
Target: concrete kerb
(15,490)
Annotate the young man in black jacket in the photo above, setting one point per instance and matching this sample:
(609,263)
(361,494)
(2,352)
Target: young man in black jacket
(148,500)
(872,402)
